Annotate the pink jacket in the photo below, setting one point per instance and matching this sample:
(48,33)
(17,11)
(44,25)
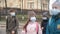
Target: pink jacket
(32,28)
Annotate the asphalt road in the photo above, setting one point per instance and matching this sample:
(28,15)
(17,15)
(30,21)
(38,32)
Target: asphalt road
(3,31)
(3,28)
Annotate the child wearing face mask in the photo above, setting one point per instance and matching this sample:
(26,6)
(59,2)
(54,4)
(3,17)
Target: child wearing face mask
(44,24)
(32,27)
(53,26)
(12,23)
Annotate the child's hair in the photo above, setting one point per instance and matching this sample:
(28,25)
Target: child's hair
(30,14)
(25,26)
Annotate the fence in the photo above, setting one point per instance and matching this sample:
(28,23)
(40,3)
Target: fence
(20,13)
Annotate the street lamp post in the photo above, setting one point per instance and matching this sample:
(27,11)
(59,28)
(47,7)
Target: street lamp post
(0,10)
(6,6)
(41,5)
(0,13)
(22,9)
(21,5)
(48,5)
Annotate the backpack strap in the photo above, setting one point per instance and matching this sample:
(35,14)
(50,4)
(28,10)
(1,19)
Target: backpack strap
(37,27)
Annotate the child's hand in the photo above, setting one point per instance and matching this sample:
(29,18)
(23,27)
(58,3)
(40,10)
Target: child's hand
(42,28)
(13,32)
(23,32)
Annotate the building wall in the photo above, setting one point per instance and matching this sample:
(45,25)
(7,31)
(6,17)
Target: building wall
(13,3)
(23,4)
(10,3)
(37,4)
(45,5)
(2,3)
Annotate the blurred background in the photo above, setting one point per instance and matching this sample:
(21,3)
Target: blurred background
(22,7)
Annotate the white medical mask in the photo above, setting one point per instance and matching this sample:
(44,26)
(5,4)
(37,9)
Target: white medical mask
(54,12)
(44,18)
(12,14)
(33,19)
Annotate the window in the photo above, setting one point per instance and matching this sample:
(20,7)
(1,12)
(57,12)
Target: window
(39,4)
(30,5)
(45,6)
(30,0)
(47,0)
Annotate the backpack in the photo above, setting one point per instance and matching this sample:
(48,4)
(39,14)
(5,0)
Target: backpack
(37,28)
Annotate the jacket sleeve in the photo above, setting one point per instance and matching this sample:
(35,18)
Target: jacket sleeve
(42,24)
(47,30)
(23,32)
(6,24)
(17,23)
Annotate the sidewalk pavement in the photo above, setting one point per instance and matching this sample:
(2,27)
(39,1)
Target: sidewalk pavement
(3,28)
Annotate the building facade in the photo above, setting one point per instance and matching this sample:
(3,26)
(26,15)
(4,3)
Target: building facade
(35,4)
(2,3)
(32,4)
(26,4)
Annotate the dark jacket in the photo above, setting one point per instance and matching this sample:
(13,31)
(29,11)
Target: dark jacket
(11,23)
(44,25)
(53,26)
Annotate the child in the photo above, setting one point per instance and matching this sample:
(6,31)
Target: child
(32,26)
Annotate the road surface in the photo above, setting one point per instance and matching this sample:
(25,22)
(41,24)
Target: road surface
(3,28)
